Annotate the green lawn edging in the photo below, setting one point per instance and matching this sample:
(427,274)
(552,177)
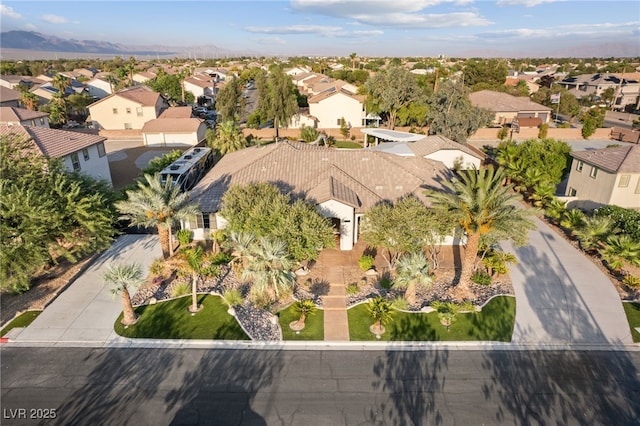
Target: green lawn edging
(313,325)
(172,320)
(632,311)
(22,320)
(494,322)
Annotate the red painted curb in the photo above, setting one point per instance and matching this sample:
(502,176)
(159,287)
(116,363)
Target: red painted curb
(4,339)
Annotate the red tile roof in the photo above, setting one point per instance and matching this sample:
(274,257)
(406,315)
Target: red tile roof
(53,143)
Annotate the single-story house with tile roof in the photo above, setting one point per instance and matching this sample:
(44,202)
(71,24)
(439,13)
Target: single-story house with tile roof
(80,152)
(507,107)
(130,108)
(174,132)
(23,117)
(9,97)
(435,147)
(601,177)
(343,184)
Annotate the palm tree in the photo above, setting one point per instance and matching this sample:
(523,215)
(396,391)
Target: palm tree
(353,57)
(304,308)
(193,258)
(269,269)
(228,138)
(412,269)
(155,204)
(572,220)
(29,100)
(480,204)
(381,313)
(125,280)
(621,248)
(593,231)
(60,82)
(543,194)
(556,209)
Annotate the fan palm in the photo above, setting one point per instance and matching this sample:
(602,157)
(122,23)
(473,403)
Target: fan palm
(621,248)
(572,219)
(155,204)
(555,209)
(228,138)
(412,269)
(125,280)
(593,231)
(269,269)
(480,204)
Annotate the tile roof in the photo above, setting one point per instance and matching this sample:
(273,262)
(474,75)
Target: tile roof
(172,125)
(53,143)
(199,82)
(177,112)
(334,89)
(425,146)
(8,95)
(498,102)
(142,95)
(619,159)
(355,177)
(19,114)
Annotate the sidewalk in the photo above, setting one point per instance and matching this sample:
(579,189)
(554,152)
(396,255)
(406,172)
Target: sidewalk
(561,297)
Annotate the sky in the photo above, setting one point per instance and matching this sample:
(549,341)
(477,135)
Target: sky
(514,28)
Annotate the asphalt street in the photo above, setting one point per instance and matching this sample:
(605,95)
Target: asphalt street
(90,386)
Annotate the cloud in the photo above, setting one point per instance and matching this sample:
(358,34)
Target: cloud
(270,40)
(525,3)
(30,27)
(54,19)
(8,12)
(573,30)
(398,13)
(324,31)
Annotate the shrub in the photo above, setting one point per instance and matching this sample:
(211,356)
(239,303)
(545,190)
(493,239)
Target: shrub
(304,308)
(400,303)
(631,281)
(626,220)
(502,133)
(366,262)
(544,129)
(353,288)
(181,289)
(385,282)
(184,237)
(221,258)
(232,297)
(380,310)
(157,266)
(211,271)
(481,278)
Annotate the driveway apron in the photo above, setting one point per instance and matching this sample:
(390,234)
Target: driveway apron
(561,296)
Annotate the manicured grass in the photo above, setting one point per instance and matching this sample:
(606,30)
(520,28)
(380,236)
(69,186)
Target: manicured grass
(313,325)
(22,320)
(347,144)
(494,323)
(632,310)
(172,320)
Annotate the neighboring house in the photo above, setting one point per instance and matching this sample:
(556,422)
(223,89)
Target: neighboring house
(174,132)
(177,112)
(507,107)
(343,184)
(329,107)
(81,152)
(9,97)
(201,87)
(297,70)
(12,116)
(99,88)
(609,176)
(626,87)
(13,81)
(438,148)
(144,76)
(130,108)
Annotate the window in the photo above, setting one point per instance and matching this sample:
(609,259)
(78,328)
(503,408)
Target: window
(128,126)
(594,172)
(579,166)
(128,110)
(624,181)
(139,111)
(202,221)
(85,154)
(339,122)
(572,192)
(115,110)
(33,122)
(75,162)
(42,121)
(637,191)
(101,150)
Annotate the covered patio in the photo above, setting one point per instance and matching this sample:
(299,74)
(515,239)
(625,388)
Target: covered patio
(387,135)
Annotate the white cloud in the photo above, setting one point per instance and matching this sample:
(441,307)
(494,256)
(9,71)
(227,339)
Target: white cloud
(425,21)
(573,30)
(525,3)
(8,12)
(30,27)
(54,19)
(270,40)
(295,29)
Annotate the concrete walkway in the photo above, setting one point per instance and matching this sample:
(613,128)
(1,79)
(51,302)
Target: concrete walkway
(86,311)
(336,324)
(561,296)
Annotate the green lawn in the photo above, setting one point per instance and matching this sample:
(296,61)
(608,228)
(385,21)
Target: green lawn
(494,323)
(313,326)
(22,320)
(632,310)
(172,320)
(347,144)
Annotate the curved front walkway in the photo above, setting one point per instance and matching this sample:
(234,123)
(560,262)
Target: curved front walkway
(561,296)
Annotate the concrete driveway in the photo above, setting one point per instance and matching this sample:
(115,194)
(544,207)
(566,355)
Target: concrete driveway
(561,296)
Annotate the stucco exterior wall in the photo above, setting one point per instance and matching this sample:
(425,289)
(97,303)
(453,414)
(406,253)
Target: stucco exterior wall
(95,166)
(450,156)
(328,111)
(333,208)
(626,196)
(590,192)
(126,112)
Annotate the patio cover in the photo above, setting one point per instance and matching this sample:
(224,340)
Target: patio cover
(391,135)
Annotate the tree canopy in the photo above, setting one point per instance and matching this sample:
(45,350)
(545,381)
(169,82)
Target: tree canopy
(228,100)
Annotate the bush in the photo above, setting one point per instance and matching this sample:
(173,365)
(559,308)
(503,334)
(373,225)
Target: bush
(626,220)
(502,133)
(385,282)
(157,266)
(184,237)
(232,297)
(544,129)
(181,289)
(366,262)
(221,258)
(631,281)
(353,288)
(481,278)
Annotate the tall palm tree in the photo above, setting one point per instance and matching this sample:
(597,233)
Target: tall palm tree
(60,82)
(269,269)
(155,204)
(412,269)
(480,205)
(125,280)
(29,100)
(193,258)
(228,138)
(353,57)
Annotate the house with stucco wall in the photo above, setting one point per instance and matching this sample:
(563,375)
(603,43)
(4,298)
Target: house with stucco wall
(343,184)
(130,108)
(601,177)
(507,107)
(12,116)
(329,107)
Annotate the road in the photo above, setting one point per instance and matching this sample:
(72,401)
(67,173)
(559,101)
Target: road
(110,386)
